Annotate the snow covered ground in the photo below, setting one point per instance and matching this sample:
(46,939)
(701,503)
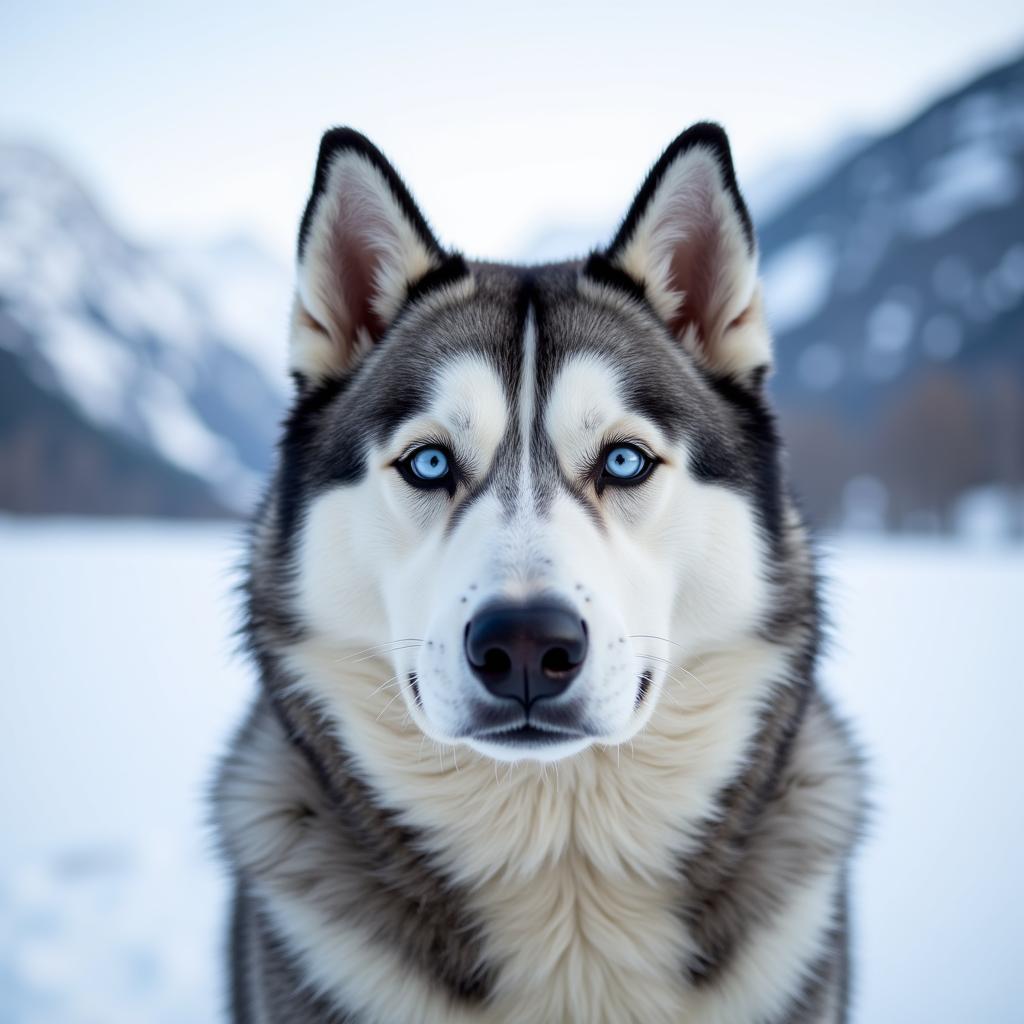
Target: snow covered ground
(120,685)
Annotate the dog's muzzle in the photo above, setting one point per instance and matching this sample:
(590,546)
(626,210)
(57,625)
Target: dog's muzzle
(526,653)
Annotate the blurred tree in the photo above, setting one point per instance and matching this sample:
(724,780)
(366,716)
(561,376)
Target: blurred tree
(822,456)
(929,447)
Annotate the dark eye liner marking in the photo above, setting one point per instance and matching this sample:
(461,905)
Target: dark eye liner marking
(415,465)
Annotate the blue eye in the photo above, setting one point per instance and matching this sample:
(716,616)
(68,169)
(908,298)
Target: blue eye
(428,468)
(429,464)
(625,464)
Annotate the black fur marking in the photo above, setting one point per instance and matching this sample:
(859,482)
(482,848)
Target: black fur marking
(452,270)
(599,269)
(297,450)
(340,140)
(717,910)
(761,472)
(642,687)
(744,874)
(706,134)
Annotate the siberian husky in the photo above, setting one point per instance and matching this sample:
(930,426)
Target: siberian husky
(538,737)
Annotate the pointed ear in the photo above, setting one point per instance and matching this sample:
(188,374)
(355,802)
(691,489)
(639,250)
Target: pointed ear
(364,251)
(687,244)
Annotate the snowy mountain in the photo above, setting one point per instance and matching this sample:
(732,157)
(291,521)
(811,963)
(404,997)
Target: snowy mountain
(132,380)
(777,185)
(895,286)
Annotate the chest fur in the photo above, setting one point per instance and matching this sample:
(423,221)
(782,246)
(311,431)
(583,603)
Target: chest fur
(576,943)
(574,878)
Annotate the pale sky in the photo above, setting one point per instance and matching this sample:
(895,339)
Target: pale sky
(194,120)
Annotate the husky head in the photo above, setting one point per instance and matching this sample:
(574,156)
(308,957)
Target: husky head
(529,496)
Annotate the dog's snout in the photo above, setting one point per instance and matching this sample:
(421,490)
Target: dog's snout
(526,652)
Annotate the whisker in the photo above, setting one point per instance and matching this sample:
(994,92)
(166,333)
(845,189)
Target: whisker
(389,650)
(383,686)
(389,703)
(672,693)
(381,648)
(704,685)
(669,661)
(651,636)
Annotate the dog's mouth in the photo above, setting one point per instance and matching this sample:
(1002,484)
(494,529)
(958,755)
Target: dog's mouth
(558,724)
(529,735)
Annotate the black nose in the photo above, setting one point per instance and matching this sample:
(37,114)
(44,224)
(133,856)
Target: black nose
(526,652)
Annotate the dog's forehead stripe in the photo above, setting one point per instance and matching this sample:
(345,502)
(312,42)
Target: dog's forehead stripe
(524,473)
(527,404)
(518,479)
(540,477)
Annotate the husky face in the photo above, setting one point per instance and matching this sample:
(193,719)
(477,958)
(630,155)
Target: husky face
(526,491)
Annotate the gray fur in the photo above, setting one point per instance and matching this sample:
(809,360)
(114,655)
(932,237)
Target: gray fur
(296,818)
